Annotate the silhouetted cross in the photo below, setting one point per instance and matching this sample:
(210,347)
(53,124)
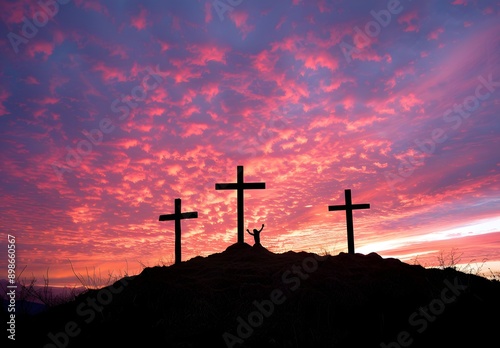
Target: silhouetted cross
(240,186)
(349,207)
(178,216)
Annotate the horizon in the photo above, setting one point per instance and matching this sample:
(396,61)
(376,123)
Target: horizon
(96,279)
(109,112)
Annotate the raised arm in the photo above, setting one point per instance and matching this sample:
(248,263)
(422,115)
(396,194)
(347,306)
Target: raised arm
(261,228)
(249,232)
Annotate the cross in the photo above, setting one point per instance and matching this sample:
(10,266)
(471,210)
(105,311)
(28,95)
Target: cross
(349,207)
(178,216)
(240,186)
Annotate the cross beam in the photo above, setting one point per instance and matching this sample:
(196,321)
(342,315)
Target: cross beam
(349,207)
(178,216)
(240,186)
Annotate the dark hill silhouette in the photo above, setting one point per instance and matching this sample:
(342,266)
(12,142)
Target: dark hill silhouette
(250,297)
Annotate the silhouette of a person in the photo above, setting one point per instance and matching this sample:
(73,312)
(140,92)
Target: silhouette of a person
(256,234)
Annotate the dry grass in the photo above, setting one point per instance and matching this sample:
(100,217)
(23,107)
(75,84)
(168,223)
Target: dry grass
(453,259)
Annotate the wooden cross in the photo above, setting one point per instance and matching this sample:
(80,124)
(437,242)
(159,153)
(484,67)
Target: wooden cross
(349,207)
(240,186)
(178,216)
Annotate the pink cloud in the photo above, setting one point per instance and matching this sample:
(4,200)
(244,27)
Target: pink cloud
(323,7)
(280,23)
(165,46)
(363,122)
(193,129)
(31,80)
(126,143)
(434,35)
(265,61)
(110,73)
(135,177)
(368,54)
(201,55)
(140,21)
(83,214)
(4,95)
(93,5)
(240,18)
(208,12)
(118,50)
(488,10)
(14,12)
(210,91)
(48,101)
(40,48)
(57,81)
(176,23)
(315,60)
(289,44)
(409,101)
(410,19)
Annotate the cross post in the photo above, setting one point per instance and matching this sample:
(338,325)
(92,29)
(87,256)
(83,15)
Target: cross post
(240,186)
(349,207)
(178,216)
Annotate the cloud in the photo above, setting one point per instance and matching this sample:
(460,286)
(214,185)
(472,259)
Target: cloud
(240,19)
(434,35)
(208,12)
(110,73)
(4,96)
(268,88)
(410,19)
(140,21)
(40,49)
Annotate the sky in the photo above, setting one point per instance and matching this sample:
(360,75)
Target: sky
(110,110)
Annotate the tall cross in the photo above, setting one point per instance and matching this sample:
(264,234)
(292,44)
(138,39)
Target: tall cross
(240,186)
(178,216)
(349,207)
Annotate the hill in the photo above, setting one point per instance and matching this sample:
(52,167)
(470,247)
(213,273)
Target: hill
(250,297)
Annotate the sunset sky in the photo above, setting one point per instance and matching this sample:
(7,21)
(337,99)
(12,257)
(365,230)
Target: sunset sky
(109,110)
